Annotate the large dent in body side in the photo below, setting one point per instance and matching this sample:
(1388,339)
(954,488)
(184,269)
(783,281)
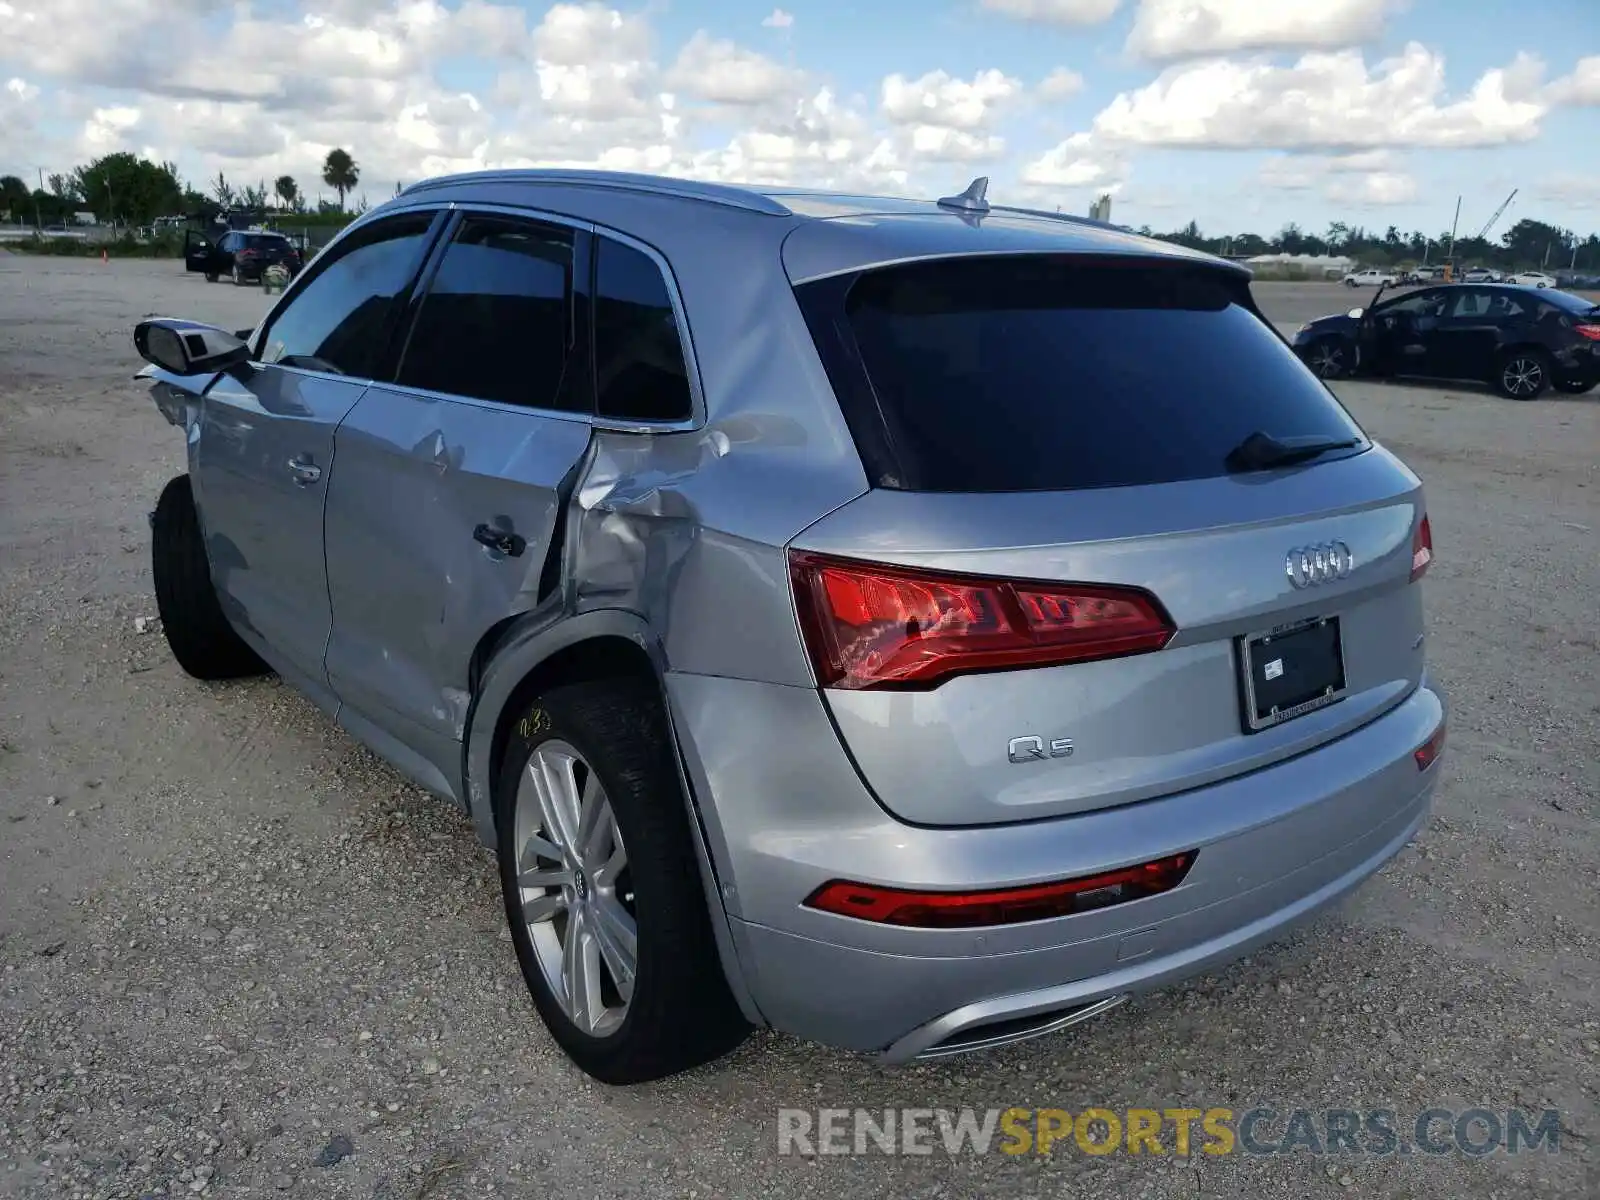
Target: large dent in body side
(689,529)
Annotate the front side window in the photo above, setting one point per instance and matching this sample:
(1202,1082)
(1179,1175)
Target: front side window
(640,372)
(1419,304)
(340,319)
(497,321)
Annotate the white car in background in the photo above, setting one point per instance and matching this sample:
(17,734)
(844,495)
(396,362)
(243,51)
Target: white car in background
(1536,279)
(1370,277)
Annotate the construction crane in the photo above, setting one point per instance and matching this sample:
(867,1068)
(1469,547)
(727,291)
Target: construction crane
(1489,224)
(1450,254)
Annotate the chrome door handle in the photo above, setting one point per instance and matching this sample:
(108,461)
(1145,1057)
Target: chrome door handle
(303,471)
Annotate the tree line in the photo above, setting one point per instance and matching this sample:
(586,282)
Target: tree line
(1527,244)
(124,189)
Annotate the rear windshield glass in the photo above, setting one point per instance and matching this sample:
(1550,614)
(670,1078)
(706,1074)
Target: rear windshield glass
(265,241)
(1022,374)
(1569,302)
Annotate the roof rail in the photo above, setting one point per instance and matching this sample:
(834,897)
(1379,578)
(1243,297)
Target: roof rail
(1070,218)
(729,195)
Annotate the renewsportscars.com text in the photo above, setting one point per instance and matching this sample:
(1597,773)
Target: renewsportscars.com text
(1262,1130)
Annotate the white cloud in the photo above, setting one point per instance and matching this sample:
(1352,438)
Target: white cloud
(1373,188)
(1170,29)
(723,72)
(949,103)
(575,35)
(1570,188)
(1077,162)
(1059,12)
(947,120)
(1323,101)
(258,88)
(1582,87)
(1369,177)
(1060,84)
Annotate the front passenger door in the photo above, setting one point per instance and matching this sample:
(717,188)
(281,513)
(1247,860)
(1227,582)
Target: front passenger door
(261,463)
(1398,333)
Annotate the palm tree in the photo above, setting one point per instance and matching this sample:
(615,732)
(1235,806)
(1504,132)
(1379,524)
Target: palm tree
(288,191)
(340,172)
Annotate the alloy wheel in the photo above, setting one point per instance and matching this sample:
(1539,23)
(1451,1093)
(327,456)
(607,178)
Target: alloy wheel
(576,889)
(1522,376)
(1327,360)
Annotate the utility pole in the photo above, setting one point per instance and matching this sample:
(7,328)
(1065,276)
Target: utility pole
(1453,224)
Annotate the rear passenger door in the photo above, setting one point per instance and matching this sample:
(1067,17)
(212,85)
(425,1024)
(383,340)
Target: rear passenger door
(1464,343)
(450,477)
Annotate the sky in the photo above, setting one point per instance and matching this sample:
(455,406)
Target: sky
(1241,115)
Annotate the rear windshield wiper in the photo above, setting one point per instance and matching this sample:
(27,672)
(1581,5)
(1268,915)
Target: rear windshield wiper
(1261,451)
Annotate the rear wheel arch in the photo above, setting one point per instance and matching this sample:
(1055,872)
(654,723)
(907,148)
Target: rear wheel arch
(606,656)
(530,655)
(1528,350)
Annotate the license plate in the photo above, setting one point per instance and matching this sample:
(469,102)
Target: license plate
(1291,671)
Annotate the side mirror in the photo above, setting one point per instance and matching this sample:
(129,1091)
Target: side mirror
(1354,313)
(187,347)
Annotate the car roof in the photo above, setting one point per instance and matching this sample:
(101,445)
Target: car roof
(821,232)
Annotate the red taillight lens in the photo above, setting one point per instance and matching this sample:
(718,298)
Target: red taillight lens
(1428,753)
(1001,906)
(874,626)
(1592,332)
(1421,548)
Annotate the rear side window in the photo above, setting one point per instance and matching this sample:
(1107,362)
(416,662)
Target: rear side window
(497,320)
(640,373)
(339,320)
(1051,373)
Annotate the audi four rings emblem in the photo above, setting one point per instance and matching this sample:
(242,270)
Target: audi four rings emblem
(1308,566)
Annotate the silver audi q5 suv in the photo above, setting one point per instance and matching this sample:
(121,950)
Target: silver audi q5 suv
(915,625)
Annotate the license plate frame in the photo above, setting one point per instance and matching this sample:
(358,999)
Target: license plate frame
(1316,684)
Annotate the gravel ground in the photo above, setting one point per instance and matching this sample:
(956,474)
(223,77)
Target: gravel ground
(239,956)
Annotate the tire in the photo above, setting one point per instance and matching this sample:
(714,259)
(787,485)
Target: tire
(211,276)
(1574,387)
(680,1013)
(1331,358)
(238,276)
(1522,374)
(200,637)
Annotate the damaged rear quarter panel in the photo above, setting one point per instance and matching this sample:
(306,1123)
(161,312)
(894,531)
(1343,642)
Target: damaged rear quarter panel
(688,529)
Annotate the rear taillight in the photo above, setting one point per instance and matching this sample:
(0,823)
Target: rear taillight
(1428,753)
(1000,906)
(873,626)
(1592,332)
(1421,548)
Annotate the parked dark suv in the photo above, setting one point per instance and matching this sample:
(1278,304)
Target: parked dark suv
(1519,340)
(239,254)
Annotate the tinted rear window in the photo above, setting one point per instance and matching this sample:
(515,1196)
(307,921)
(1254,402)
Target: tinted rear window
(265,241)
(1024,374)
(1568,302)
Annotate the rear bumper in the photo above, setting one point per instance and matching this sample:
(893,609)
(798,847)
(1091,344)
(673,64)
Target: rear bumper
(785,812)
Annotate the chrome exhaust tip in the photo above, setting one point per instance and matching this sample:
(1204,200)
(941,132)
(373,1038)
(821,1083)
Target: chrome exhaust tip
(980,1027)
